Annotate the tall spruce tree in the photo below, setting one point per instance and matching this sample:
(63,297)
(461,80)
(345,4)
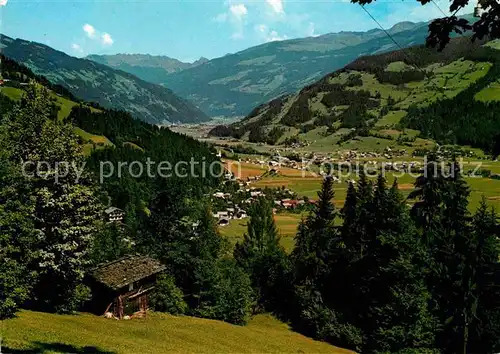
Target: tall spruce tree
(365,211)
(317,237)
(393,308)
(350,219)
(261,256)
(429,193)
(455,253)
(320,263)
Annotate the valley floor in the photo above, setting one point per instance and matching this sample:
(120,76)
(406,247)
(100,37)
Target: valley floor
(36,332)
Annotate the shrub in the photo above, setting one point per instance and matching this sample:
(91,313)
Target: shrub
(316,319)
(227,295)
(74,300)
(221,131)
(167,297)
(274,135)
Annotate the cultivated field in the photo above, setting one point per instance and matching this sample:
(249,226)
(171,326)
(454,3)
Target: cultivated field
(285,222)
(36,332)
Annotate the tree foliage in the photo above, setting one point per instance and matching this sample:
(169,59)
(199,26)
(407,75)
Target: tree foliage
(441,29)
(64,209)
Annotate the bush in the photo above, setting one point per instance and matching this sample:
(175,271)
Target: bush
(274,135)
(74,300)
(13,289)
(167,297)
(221,131)
(317,320)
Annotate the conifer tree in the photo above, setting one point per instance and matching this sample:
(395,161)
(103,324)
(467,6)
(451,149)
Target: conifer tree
(429,193)
(261,256)
(321,262)
(485,326)
(262,234)
(317,237)
(394,309)
(350,218)
(455,253)
(365,210)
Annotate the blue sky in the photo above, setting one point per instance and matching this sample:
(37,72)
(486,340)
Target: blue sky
(189,29)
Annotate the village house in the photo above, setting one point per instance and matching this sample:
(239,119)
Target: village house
(114,214)
(255,194)
(221,215)
(241,214)
(121,287)
(291,203)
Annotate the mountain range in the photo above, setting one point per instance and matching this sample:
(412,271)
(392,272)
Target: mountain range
(234,84)
(151,87)
(100,83)
(152,68)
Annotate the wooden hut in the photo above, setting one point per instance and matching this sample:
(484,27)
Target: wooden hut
(122,286)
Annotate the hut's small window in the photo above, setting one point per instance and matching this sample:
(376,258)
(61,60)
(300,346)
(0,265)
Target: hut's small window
(131,287)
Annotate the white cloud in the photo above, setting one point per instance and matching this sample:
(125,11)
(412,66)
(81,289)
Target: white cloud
(311,30)
(103,37)
(269,35)
(236,15)
(3,2)
(77,48)
(274,36)
(239,11)
(277,6)
(106,39)
(89,29)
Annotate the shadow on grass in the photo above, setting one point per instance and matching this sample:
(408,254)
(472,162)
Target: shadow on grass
(40,348)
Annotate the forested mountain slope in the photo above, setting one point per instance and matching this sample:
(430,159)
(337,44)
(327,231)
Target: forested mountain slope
(99,83)
(452,97)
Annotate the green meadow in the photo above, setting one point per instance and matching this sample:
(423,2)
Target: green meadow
(37,332)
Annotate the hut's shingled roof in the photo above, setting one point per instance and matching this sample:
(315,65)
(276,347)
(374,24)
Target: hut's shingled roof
(126,270)
(113,210)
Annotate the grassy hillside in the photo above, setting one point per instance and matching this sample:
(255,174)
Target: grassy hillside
(365,105)
(36,332)
(99,83)
(89,141)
